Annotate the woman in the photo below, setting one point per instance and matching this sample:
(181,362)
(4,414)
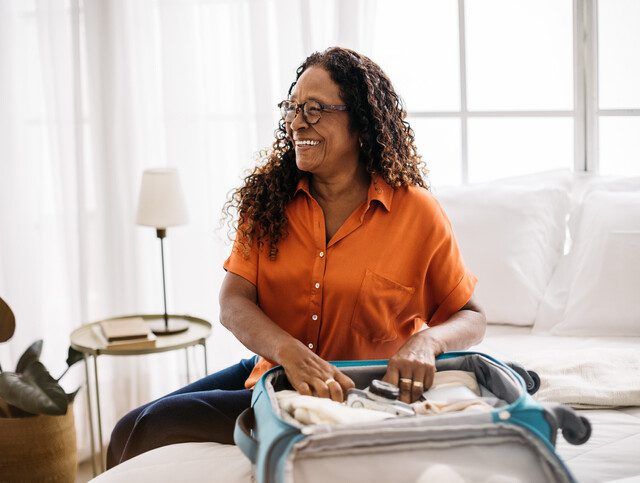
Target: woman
(341,253)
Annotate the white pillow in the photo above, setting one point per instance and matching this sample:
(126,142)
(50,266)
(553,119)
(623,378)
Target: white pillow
(596,290)
(586,183)
(610,183)
(511,238)
(555,178)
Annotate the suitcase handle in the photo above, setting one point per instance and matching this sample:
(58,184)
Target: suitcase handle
(242,434)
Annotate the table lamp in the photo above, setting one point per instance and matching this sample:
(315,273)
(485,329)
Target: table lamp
(161,205)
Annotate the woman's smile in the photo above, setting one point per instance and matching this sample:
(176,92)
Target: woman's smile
(304,145)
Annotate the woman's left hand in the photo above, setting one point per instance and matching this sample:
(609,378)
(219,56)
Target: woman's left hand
(413,367)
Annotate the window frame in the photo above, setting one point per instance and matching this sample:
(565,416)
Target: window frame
(585,112)
(592,101)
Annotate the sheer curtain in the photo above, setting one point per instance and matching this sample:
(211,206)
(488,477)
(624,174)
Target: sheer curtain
(91,93)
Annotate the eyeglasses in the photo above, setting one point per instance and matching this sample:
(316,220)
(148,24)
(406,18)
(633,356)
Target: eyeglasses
(311,110)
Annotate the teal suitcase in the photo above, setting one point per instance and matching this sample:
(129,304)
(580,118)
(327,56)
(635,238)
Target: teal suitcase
(513,442)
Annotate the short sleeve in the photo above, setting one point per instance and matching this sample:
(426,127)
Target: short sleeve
(449,284)
(244,259)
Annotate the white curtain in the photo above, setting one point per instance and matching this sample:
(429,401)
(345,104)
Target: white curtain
(91,93)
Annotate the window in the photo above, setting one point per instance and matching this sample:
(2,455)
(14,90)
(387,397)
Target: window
(618,92)
(506,87)
(494,88)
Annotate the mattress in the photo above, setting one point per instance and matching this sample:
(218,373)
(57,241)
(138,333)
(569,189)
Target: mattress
(611,455)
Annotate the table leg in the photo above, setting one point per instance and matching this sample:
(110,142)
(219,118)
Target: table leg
(90,411)
(100,441)
(186,353)
(204,348)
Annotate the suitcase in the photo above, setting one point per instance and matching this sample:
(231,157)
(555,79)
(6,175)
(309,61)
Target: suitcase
(513,442)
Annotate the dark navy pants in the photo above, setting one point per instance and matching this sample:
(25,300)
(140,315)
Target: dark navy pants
(205,410)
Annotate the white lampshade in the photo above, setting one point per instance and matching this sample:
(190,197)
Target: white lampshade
(161,203)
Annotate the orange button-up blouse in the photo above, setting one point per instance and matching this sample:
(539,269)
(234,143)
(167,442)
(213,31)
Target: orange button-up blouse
(392,266)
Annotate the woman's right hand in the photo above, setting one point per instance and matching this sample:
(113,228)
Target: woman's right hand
(308,373)
(311,375)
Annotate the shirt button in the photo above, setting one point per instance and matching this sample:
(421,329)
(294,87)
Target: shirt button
(314,317)
(310,346)
(321,254)
(317,285)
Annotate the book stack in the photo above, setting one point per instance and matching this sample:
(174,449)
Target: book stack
(128,333)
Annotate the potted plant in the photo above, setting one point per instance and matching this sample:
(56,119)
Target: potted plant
(37,431)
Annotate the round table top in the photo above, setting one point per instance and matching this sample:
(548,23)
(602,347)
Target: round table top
(85,339)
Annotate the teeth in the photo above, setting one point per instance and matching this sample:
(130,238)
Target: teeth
(307,143)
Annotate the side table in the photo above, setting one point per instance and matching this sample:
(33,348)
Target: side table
(85,340)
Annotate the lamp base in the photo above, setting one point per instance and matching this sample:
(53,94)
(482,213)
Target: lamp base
(158,327)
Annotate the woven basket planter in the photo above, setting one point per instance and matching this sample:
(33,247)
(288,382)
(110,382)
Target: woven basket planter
(38,448)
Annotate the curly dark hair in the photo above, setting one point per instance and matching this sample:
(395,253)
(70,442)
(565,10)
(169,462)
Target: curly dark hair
(388,148)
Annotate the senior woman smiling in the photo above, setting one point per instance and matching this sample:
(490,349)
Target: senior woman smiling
(341,253)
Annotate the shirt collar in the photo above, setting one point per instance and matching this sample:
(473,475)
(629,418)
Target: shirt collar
(381,191)
(303,185)
(378,190)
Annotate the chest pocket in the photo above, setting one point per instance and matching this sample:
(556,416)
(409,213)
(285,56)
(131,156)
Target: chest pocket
(379,303)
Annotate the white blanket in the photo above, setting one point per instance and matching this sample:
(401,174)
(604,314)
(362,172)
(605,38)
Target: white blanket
(587,378)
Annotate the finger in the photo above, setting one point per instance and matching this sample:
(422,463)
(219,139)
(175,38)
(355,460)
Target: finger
(320,388)
(405,389)
(345,381)
(335,390)
(303,388)
(429,376)
(417,384)
(417,389)
(392,376)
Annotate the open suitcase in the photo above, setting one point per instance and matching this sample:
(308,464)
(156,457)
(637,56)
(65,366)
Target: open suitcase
(513,442)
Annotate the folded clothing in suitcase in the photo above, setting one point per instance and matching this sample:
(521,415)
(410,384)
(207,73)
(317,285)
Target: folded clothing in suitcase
(513,442)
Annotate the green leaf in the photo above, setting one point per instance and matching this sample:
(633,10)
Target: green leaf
(32,354)
(73,356)
(19,413)
(34,391)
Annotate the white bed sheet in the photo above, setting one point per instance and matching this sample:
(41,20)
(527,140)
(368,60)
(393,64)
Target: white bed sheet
(611,454)
(184,463)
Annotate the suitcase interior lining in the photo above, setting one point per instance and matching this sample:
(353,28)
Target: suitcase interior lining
(493,379)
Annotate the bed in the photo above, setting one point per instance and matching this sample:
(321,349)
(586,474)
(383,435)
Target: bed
(611,454)
(558,259)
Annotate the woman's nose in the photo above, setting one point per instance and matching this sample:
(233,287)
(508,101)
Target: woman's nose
(299,121)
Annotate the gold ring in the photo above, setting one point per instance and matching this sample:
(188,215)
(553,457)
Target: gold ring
(404,380)
(329,381)
(418,384)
